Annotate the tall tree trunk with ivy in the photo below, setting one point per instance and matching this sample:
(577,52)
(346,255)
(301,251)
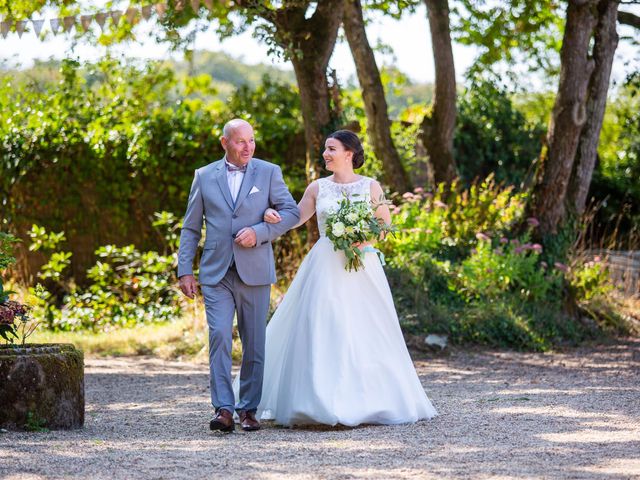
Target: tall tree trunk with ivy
(438,128)
(606,42)
(568,118)
(378,124)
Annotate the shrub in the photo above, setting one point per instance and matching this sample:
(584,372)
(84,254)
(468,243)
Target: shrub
(127,287)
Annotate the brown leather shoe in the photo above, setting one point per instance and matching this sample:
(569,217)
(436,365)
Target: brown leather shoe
(248,421)
(222,421)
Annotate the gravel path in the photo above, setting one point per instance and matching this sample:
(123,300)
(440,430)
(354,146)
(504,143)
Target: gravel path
(574,414)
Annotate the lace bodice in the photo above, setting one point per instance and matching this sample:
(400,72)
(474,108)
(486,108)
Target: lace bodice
(331,193)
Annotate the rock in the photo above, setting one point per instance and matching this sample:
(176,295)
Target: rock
(434,340)
(41,386)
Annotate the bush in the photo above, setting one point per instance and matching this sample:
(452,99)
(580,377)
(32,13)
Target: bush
(456,269)
(127,288)
(493,137)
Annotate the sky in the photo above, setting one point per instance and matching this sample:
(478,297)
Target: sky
(408,38)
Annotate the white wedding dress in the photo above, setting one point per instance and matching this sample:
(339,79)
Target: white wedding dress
(335,353)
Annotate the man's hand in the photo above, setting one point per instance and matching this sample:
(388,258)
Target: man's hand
(272,216)
(188,285)
(246,237)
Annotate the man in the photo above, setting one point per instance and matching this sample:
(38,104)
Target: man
(237,266)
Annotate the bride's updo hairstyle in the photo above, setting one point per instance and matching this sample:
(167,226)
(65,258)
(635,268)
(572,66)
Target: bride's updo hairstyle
(351,142)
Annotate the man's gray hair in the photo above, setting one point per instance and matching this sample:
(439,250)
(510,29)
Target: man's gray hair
(232,125)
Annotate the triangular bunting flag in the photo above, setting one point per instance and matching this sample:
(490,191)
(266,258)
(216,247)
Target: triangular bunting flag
(131,15)
(37,26)
(101,18)
(146,12)
(55,25)
(195,4)
(69,22)
(20,27)
(85,21)
(209,4)
(4,28)
(115,17)
(161,9)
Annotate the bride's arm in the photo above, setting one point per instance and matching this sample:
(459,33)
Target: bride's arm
(382,211)
(307,206)
(377,195)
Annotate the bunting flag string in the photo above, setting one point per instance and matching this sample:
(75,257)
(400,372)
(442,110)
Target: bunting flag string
(131,14)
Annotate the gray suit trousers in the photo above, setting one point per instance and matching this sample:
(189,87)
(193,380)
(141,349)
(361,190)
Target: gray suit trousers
(251,303)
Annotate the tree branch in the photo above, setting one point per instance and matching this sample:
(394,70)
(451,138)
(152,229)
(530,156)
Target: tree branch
(628,18)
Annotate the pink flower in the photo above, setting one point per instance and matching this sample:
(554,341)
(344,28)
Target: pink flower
(407,195)
(418,190)
(533,222)
(16,308)
(396,210)
(561,266)
(515,242)
(473,251)
(504,240)
(440,204)
(498,252)
(428,231)
(483,237)
(597,259)
(6,315)
(518,250)
(536,247)
(544,264)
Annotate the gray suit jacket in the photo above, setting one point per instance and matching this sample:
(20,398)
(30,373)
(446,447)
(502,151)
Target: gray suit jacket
(210,201)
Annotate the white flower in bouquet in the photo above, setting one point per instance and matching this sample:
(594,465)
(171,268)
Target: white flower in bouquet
(352,217)
(354,222)
(338,229)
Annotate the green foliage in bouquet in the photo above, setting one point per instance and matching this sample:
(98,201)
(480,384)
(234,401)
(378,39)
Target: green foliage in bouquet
(352,224)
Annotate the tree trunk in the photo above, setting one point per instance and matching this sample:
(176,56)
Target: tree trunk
(309,42)
(568,117)
(606,41)
(378,124)
(437,129)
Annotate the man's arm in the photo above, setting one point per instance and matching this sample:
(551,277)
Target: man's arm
(191,229)
(280,199)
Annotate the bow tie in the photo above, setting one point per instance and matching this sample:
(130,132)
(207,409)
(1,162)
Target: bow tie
(233,168)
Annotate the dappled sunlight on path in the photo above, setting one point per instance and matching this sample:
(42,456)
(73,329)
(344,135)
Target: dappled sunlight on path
(573,414)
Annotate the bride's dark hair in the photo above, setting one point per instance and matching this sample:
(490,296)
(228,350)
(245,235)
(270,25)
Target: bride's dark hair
(352,143)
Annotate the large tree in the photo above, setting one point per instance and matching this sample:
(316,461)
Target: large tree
(378,124)
(587,51)
(605,43)
(438,127)
(568,117)
(308,41)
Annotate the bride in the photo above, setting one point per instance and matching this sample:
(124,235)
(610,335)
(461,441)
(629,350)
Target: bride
(335,353)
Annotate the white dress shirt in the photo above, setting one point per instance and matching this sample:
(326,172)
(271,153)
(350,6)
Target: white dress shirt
(234,180)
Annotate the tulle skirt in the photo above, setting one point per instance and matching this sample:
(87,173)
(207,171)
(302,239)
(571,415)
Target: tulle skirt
(335,353)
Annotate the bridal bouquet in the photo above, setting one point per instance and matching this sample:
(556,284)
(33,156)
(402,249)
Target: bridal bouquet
(352,223)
